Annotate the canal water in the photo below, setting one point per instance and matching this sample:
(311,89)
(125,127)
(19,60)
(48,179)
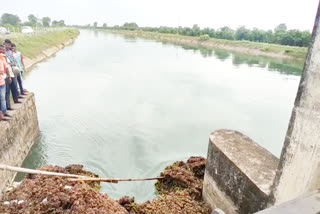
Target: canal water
(127,107)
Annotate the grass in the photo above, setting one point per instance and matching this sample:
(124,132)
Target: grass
(266,49)
(32,45)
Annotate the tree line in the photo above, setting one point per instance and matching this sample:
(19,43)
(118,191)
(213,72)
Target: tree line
(8,20)
(280,35)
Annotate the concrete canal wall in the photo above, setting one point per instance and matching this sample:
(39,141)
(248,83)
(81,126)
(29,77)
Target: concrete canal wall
(17,136)
(29,62)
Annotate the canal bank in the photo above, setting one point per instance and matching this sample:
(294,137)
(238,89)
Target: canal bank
(243,47)
(18,134)
(29,62)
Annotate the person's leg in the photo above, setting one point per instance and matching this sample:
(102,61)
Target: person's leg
(7,92)
(14,90)
(3,105)
(19,79)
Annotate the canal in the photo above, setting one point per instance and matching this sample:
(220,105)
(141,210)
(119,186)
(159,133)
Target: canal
(128,107)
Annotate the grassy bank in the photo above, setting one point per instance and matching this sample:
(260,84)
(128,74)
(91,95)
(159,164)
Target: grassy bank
(33,45)
(247,47)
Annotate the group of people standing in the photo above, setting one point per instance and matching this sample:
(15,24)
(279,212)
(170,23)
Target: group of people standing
(11,70)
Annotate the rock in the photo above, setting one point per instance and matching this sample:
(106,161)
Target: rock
(217,211)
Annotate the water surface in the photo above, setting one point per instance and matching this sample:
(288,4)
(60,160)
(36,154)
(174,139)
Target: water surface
(127,107)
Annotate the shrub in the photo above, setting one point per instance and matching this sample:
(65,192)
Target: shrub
(204,37)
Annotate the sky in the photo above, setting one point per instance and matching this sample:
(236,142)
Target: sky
(263,14)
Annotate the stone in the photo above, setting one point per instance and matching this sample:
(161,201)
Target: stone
(217,211)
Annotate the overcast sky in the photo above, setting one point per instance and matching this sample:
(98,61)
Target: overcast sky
(264,14)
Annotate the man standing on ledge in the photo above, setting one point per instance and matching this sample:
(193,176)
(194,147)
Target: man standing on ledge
(12,61)
(19,60)
(3,105)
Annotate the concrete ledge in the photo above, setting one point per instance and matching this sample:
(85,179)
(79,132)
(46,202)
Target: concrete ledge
(241,170)
(17,136)
(306,204)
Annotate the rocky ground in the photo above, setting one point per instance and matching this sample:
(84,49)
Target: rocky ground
(180,192)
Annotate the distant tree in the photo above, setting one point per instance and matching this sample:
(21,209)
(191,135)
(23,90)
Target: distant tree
(242,33)
(61,23)
(269,36)
(95,24)
(281,27)
(46,21)
(195,30)
(32,19)
(130,26)
(55,23)
(104,25)
(280,35)
(209,31)
(280,32)
(187,31)
(225,33)
(305,38)
(58,23)
(257,35)
(10,19)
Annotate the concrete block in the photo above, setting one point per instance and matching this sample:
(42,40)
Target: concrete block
(239,173)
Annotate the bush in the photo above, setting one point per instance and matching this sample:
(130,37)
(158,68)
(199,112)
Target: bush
(204,37)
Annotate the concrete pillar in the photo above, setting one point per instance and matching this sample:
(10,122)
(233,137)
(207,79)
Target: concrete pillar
(299,167)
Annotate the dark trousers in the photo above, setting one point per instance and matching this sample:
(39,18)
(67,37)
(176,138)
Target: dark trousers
(14,89)
(8,93)
(19,79)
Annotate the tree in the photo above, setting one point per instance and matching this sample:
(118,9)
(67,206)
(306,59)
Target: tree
(95,24)
(257,35)
(225,33)
(281,27)
(104,25)
(46,21)
(242,33)
(130,26)
(10,19)
(32,19)
(58,23)
(61,23)
(209,31)
(195,30)
(54,23)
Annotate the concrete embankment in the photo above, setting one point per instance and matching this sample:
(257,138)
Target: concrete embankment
(29,62)
(245,47)
(17,136)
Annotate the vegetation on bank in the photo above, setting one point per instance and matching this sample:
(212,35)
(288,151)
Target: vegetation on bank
(32,45)
(281,35)
(248,47)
